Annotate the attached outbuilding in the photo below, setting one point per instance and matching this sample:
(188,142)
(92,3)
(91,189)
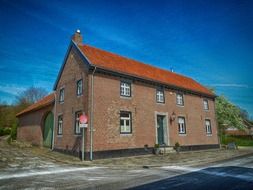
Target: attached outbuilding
(36,122)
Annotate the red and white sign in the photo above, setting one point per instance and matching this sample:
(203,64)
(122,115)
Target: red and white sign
(83,121)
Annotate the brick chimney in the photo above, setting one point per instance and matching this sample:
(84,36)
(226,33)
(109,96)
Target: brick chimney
(77,37)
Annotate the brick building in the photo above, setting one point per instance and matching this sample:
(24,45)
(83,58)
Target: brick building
(131,105)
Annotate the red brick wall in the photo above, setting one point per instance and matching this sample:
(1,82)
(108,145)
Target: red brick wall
(73,71)
(142,104)
(30,128)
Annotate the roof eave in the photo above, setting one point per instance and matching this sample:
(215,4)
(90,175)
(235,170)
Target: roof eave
(153,81)
(35,109)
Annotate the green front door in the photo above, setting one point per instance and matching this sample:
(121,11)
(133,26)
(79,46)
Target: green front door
(160,130)
(48,130)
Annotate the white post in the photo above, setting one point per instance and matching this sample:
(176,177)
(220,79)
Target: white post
(83,142)
(83,145)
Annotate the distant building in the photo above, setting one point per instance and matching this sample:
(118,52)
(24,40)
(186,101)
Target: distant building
(130,105)
(247,130)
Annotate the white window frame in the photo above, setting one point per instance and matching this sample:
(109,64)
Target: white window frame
(181,125)
(77,123)
(206,105)
(125,89)
(60,125)
(61,95)
(160,96)
(208,126)
(126,129)
(79,87)
(180,99)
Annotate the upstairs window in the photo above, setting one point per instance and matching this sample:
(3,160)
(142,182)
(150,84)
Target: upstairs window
(125,122)
(77,124)
(160,96)
(125,89)
(180,99)
(208,126)
(206,106)
(61,95)
(181,125)
(79,87)
(60,125)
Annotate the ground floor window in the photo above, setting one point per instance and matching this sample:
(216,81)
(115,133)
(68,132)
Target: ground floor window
(125,122)
(181,125)
(208,126)
(60,124)
(77,126)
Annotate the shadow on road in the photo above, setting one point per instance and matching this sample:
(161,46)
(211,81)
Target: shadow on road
(231,177)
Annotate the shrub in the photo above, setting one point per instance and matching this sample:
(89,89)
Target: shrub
(5,131)
(14,131)
(239,140)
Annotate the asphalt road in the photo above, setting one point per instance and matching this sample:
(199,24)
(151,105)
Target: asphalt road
(232,175)
(236,174)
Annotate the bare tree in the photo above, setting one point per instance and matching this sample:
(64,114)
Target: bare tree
(31,95)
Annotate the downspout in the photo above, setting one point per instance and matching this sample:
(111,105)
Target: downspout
(54,119)
(91,114)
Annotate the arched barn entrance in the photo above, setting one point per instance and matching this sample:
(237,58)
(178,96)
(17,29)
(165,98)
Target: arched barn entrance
(48,130)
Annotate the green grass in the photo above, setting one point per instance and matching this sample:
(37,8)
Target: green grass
(240,141)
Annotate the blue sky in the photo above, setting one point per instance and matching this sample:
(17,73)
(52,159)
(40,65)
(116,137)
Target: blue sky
(210,41)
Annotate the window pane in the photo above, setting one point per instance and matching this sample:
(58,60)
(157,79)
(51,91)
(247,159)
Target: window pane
(61,96)
(181,125)
(121,122)
(77,128)
(125,122)
(124,114)
(125,89)
(79,87)
(60,125)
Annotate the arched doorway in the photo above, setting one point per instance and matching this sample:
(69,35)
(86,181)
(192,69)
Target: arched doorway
(48,130)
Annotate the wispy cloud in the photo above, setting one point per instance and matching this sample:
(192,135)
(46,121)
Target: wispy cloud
(231,85)
(11,89)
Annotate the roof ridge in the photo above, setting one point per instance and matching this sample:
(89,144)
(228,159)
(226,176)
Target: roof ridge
(140,62)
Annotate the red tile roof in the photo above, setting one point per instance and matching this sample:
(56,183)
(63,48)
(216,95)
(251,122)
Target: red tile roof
(114,62)
(47,100)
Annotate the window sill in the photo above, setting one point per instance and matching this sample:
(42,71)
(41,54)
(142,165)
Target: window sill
(126,97)
(59,136)
(78,135)
(160,103)
(61,102)
(180,105)
(79,95)
(182,135)
(209,135)
(126,134)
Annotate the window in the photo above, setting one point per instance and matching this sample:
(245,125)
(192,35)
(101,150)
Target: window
(206,107)
(125,122)
(61,96)
(180,99)
(125,89)
(181,125)
(77,127)
(60,124)
(79,87)
(208,126)
(160,96)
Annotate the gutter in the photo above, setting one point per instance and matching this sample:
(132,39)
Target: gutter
(54,120)
(91,114)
